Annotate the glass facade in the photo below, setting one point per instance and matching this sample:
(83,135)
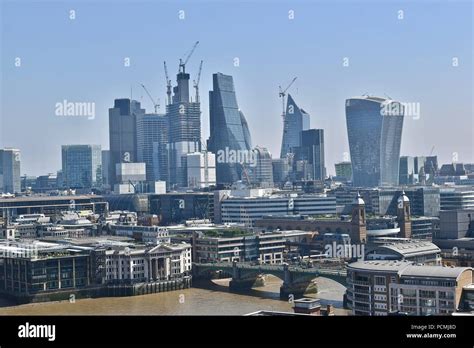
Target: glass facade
(122,133)
(10,181)
(152,139)
(82,166)
(374,140)
(296,120)
(312,151)
(229,130)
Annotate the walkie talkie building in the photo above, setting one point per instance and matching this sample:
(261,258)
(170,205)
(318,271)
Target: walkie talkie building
(374,129)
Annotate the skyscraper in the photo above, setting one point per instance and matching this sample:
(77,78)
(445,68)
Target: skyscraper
(82,166)
(312,151)
(407,170)
(262,172)
(296,120)
(184,119)
(229,131)
(152,139)
(10,181)
(122,133)
(374,128)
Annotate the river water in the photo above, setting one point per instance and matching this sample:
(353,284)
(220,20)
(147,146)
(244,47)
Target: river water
(209,299)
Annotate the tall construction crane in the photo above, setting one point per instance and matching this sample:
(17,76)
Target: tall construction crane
(156,105)
(168,84)
(196,83)
(282,95)
(182,65)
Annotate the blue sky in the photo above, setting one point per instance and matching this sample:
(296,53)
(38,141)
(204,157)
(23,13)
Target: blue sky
(82,60)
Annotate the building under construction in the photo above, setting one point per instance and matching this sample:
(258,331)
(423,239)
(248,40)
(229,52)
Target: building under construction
(184,117)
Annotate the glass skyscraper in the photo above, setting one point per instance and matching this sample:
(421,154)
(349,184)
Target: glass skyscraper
(312,151)
(152,139)
(82,166)
(374,128)
(123,133)
(229,131)
(296,120)
(10,181)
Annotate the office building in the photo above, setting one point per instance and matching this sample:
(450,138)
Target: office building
(456,224)
(81,166)
(106,168)
(28,268)
(281,170)
(295,121)
(374,128)
(51,205)
(10,181)
(241,246)
(457,197)
(229,136)
(261,173)
(312,152)
(407,170)
(201,169)
(247,209)
(343,170)
(175,207)
(355,227)
(152,139)
(123,133)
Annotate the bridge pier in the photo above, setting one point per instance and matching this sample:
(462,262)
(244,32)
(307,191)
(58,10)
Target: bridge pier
(297,289)
(241,284)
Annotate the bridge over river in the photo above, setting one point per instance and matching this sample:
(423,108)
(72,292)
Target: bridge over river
(296,279)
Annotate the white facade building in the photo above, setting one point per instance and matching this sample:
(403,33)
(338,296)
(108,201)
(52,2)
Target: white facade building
(201,169)
(162,262)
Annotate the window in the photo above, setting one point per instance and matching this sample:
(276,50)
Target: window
(379,280)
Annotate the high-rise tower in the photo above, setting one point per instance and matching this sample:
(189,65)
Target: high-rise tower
(295,121)
(123,133)
(374,128)
(10,170)
(229,130)
(184,127)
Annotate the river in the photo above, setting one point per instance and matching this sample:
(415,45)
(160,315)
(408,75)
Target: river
(214,299)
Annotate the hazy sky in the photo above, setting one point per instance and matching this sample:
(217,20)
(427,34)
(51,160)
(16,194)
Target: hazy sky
(82,60)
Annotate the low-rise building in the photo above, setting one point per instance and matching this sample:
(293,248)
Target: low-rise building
(161,262)
(28,268)
(382,287)
(144,234)
(228,246)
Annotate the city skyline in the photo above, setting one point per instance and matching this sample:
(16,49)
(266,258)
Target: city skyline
(406,67)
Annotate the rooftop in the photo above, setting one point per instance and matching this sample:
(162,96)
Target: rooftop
(380,265)
(46,198)
(433,271)
(412,247)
